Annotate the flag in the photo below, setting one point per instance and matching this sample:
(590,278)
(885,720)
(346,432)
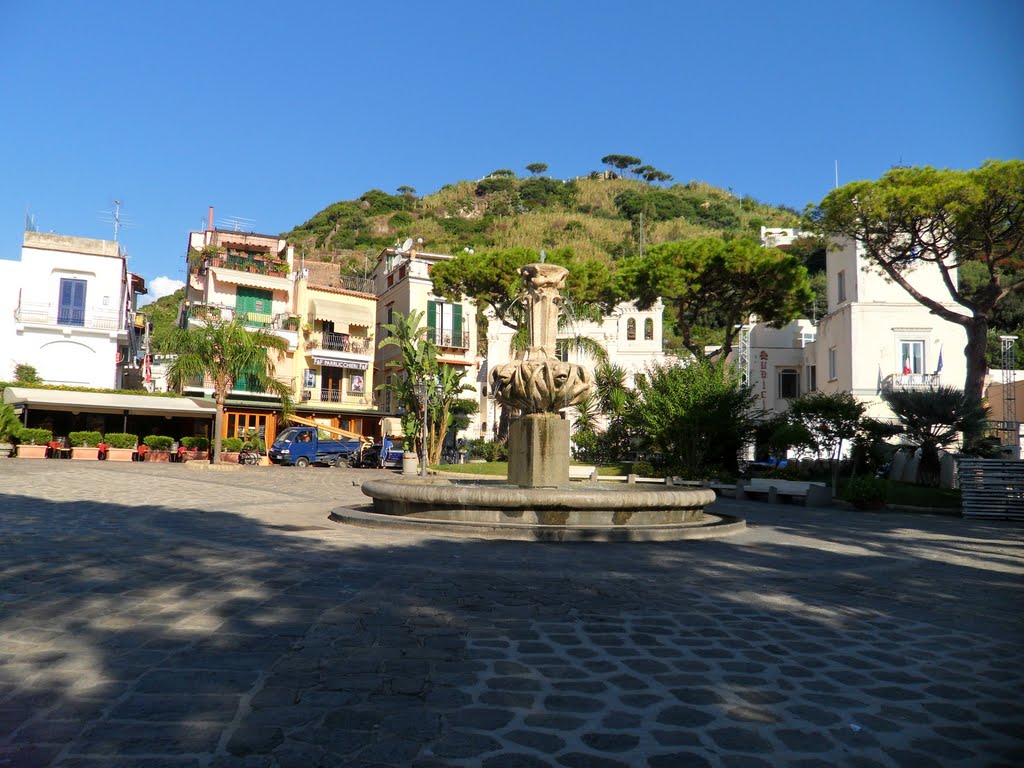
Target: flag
(906,365)
(938,368)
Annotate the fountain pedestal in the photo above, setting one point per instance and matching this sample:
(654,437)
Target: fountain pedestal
(538,451)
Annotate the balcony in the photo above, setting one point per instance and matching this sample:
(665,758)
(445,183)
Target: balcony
(904,381)
(91,318)
(242,387)
(251,264)
(343,342)
(335,397)
(443,338)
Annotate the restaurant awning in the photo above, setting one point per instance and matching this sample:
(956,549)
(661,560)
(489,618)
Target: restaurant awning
(346,314)
(103,402)
(251,279)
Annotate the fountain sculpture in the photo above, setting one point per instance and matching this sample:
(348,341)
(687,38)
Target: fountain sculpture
(538,502)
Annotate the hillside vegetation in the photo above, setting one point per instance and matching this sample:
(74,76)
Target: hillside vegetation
(598,216)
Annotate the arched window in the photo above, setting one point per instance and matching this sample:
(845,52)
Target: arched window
(789,383)
(649,329)
(631,329)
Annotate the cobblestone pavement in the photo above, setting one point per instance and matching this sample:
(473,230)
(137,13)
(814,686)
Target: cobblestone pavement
(162,615)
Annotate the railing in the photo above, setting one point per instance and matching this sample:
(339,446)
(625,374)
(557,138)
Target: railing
(334,396)
(359,284)
(448,339)
(254,266)
(101,318)
(911,381)
(217,312)
(343,342)
(242,385)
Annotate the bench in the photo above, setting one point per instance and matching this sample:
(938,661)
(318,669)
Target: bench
(812,494)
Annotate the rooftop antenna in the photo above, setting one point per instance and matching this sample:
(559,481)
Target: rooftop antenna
(837,174)
(114,217)
(237,223)
(30,221)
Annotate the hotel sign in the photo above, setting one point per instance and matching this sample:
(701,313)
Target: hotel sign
(355,365)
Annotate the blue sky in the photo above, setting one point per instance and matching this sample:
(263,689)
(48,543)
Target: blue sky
(271,111)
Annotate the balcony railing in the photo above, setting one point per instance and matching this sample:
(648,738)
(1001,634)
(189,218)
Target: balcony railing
(911,381)
(448,339)
(343,342)
(98,318)
(243,385)
(252,265)
(334,396)
(218,312)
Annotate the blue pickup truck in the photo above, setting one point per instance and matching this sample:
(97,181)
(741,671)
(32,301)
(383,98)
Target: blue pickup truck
(302,446)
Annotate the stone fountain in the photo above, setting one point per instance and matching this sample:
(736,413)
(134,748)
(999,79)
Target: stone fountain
(538,502)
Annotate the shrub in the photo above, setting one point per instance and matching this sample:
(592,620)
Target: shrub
(867,490)
(9,423)
(159,442)
(232,444)
(85,439)
(642,468)
(121,440)
(487,450)
(33,436)
(196,443)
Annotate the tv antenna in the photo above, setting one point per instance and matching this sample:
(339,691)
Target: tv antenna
(237,223)
(114,217)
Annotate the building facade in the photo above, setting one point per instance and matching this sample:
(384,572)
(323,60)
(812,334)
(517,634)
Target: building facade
(402,283)
(69,310)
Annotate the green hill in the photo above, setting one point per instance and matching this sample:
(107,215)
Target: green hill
(598,217)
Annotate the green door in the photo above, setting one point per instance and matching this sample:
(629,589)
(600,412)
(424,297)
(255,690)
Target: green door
(253,301)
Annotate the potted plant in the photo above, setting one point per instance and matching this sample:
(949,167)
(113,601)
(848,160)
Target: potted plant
(33,443)
(159,448)
(292,323)
(84,445)
(122,445)
(867,493)
(9,424)
(230,447)
(195,448)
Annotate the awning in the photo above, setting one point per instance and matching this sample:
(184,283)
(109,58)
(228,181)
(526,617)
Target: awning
(334,362)
(102,402)
(451,361)
(251,279)
(346,314)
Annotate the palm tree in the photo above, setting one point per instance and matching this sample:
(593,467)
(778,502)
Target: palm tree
(227,353)
(934,418)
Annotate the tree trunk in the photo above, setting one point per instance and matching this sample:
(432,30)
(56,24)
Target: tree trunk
(218,426)
(977,365)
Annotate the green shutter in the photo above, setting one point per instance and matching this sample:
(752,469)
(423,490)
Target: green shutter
(457,324)
(432,315)
(253,300)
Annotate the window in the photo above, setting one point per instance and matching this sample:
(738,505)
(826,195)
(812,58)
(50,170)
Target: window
(832,366)
(631,329)
(812,378)
(912,357)
(445,323)
(71,308)
(649,329)
(841,287)
(789,383)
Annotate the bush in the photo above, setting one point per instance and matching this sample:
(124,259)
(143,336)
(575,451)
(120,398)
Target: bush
(159,442)
(867,490)
(196,443)
(85,439)
(487,450)
(121,440)
(642,468)
(33,436)
(232,444)
(9,423)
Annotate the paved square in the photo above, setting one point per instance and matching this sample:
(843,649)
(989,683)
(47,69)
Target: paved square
(162,615)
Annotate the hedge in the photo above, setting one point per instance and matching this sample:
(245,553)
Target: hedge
(33,436)
(85,439)
(159,442)
(121,440)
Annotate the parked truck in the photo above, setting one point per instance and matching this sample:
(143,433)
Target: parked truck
(302,446)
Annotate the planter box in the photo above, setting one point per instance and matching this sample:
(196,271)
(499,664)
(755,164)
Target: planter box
(85,453)
(120,454)
(229,457)
(31,451)
(159,456)
(194,455)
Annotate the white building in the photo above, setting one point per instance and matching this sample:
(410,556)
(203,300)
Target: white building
(873,336)
(68,308)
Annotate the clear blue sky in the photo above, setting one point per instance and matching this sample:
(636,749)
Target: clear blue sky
(273,110)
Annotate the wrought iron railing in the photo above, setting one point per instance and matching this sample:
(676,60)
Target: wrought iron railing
(251,265)
(100,318)
(343,342)
(448,338)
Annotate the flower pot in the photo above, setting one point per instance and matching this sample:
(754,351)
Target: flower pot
(31,451)
(158,456)
(229,457)
(120,454)
(85,453)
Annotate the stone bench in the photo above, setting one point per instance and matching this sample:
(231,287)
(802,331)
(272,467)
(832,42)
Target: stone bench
(813,494)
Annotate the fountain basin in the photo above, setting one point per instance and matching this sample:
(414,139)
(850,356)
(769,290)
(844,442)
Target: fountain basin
(494,509)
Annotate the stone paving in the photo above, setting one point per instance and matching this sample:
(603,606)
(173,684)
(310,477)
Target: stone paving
(161,615)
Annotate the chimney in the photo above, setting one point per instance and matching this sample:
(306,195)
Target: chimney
(209,224)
